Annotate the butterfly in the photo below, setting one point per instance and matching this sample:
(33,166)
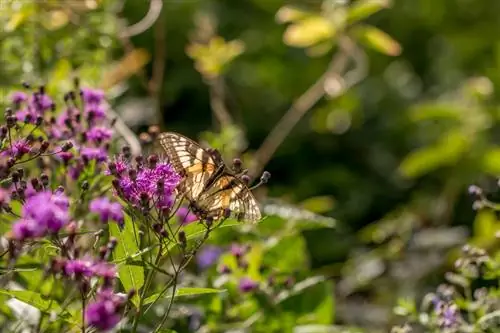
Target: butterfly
(210,186)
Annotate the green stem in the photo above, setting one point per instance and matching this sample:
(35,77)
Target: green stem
(149,279)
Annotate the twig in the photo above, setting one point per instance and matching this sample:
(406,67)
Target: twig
(125,132)
(300,107)
(147,21)
(156,82)
(217,96)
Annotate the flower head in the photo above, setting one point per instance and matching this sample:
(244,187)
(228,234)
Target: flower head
(97,154)
(99,134)
(103,313)
(246,284)
(18,97)
(185,216)
(149,184)
(107,210)
(44,212)
(18,149)
(92,96)
(208,256)
(41,102)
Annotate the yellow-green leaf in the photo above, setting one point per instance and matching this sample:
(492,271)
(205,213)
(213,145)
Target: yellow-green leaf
(183,292)
(290,14)
(309,31)
(364,8)
(378,40)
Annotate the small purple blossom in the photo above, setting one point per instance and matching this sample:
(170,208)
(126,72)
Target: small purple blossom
(41,102)
(92,96)
(90,153)
(78,267)
(19,97)
(104,270)
(185,216)
(238,250)
(448,314)
(107,210)
(103,313)
(145,185)
(43,213)
(246,284)
(99,134)
(208,256)
(18,149)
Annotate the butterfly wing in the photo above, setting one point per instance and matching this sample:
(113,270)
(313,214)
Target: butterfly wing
(229,192)
(196,165)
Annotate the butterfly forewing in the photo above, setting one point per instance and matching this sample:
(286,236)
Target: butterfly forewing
(189,160)
(207,183)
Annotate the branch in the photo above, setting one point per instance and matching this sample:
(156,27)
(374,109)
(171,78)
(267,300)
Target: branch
(331,82)
(125,132)
(156,83)
(147,21)
(217,103)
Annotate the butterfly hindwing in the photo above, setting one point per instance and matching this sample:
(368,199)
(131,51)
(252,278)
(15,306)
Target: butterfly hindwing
(230,192)
(207,183)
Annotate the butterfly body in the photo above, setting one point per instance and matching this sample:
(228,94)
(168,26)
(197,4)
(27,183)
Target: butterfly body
(208,184)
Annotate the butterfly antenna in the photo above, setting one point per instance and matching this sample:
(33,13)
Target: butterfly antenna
(266,175)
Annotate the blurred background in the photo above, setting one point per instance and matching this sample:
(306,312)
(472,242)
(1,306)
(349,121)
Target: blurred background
(376,113)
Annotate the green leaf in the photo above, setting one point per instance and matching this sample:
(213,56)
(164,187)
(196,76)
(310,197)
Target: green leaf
(446,151)
(378,40)
(40,302)
(311,301)
(287,254)
(364,8)
(131,276)
(183,292)
(491,161)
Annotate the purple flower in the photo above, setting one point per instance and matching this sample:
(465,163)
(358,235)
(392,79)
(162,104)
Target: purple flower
(43,213)
(447,313)
(41,102)
(92,96)
(238,250)
(18,149)
(208,256)
(246,284)
(185,216)
(99,134)
(78,267)
(107,210)
(90,153)
(18,97)
(27,228)
(104,270)
(145,185)
(103,314)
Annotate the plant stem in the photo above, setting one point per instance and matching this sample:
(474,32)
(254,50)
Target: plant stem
(149,279)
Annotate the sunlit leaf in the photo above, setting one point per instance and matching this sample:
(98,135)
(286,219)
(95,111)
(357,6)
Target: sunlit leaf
(377,40)
(309,31)
(319,204)
(183,292)
(362,9)
(445,152)
(32,298)
(491,161)
(131,276)
(290,14)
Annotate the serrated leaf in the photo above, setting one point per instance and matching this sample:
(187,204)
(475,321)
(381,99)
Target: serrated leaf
(364,8)
(378,40)
(183,292)
(131,276)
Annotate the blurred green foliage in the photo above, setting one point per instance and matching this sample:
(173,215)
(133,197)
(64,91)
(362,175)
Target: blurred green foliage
(389,158)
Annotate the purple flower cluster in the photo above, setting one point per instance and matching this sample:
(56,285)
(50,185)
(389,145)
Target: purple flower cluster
(107,210)
(104,312)
(448,314)
(43,213)
(185,216)
(246,284)
(89,268)
(145,185)
(28,109)
(208,256)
